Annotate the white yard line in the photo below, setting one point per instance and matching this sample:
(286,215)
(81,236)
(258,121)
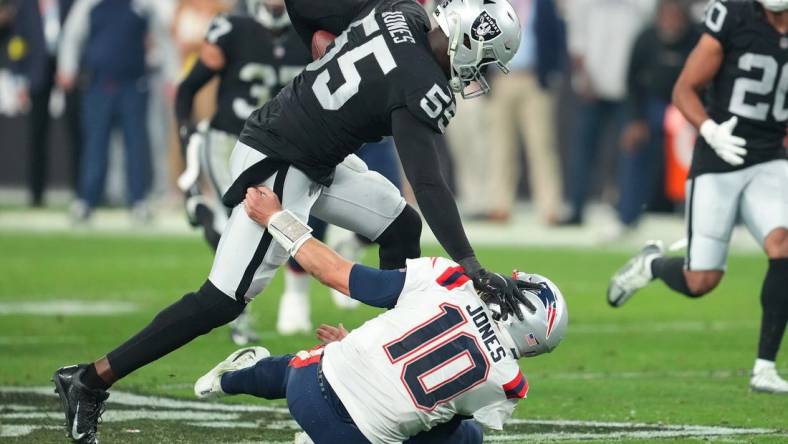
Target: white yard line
(130,399)
(35,340)
(660,327)
(229,416)
(62,307)
(10,431)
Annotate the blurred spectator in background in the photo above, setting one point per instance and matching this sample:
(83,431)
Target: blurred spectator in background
(107,40)
(192,18)
(8,82)
(7,16)
(523,103)
(38,27)
(601,36)
(468,142)
(657,58)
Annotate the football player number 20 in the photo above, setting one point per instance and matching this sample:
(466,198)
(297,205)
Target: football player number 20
(375,46)
(439,362)
(765,85)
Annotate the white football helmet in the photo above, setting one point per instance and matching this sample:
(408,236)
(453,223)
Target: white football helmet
(480,32)
(542,330)
(775,5)
(270,13)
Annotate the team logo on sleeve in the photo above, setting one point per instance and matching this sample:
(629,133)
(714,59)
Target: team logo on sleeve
(485,27)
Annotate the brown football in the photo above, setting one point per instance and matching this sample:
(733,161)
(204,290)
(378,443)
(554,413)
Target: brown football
(320,41)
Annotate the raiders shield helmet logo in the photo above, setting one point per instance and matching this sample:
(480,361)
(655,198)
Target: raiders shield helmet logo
(485,27)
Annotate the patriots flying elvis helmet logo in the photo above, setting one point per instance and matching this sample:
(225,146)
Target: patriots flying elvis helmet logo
(485,27)
(550,304)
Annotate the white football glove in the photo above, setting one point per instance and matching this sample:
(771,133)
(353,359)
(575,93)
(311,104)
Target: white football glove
(720,137)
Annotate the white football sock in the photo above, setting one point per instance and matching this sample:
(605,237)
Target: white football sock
(295,282)
(761,365)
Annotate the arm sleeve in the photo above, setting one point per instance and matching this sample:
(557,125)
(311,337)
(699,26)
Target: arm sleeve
(75,32)
(199,75)
(415,143)
(378,288)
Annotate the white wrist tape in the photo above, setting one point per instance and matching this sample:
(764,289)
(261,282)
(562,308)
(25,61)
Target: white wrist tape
(289,231)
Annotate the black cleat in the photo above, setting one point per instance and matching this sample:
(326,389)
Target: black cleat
(83,406)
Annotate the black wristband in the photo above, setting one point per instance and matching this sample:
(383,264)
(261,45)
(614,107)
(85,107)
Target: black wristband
(471,266)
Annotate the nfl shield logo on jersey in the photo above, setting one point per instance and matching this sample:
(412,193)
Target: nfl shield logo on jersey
(485,27)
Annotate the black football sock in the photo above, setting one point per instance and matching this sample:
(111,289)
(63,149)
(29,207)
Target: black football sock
(193,315)
(774,301)
(91,379)
(205,218)
(401,240)
(266,379)
(671,271)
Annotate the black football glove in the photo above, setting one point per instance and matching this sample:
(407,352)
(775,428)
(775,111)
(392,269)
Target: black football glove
(506,292)
(502,291)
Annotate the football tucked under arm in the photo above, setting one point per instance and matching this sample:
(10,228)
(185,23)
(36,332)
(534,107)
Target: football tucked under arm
(320,42)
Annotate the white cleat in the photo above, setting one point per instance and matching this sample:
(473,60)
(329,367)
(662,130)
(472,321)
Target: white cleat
(343,301)
(242,331)
(351,248)
(768,381)
(634,275)
(293,316)
(210,384)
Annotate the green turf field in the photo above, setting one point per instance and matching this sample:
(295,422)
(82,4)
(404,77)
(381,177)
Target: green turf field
(661,368)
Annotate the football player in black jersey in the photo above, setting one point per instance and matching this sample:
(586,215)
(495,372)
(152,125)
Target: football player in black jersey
(254,56)
(739,167)
(390,71)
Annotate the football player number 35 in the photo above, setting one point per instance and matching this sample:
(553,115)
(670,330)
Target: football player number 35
(439,363)
(375,46)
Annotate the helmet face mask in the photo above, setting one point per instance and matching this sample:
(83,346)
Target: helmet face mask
(480,33)
(775,5)
(542,330)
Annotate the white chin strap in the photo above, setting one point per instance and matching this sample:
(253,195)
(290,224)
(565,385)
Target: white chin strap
(454,40)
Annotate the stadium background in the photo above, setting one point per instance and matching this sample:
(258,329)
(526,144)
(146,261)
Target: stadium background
(664,368)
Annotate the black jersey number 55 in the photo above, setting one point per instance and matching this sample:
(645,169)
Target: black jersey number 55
(375,46)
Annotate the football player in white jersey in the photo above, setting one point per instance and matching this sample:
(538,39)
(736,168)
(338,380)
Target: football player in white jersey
(440,362)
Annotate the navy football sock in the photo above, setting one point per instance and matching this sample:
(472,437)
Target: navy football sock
(266,379)
(671,271)
(774,301)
